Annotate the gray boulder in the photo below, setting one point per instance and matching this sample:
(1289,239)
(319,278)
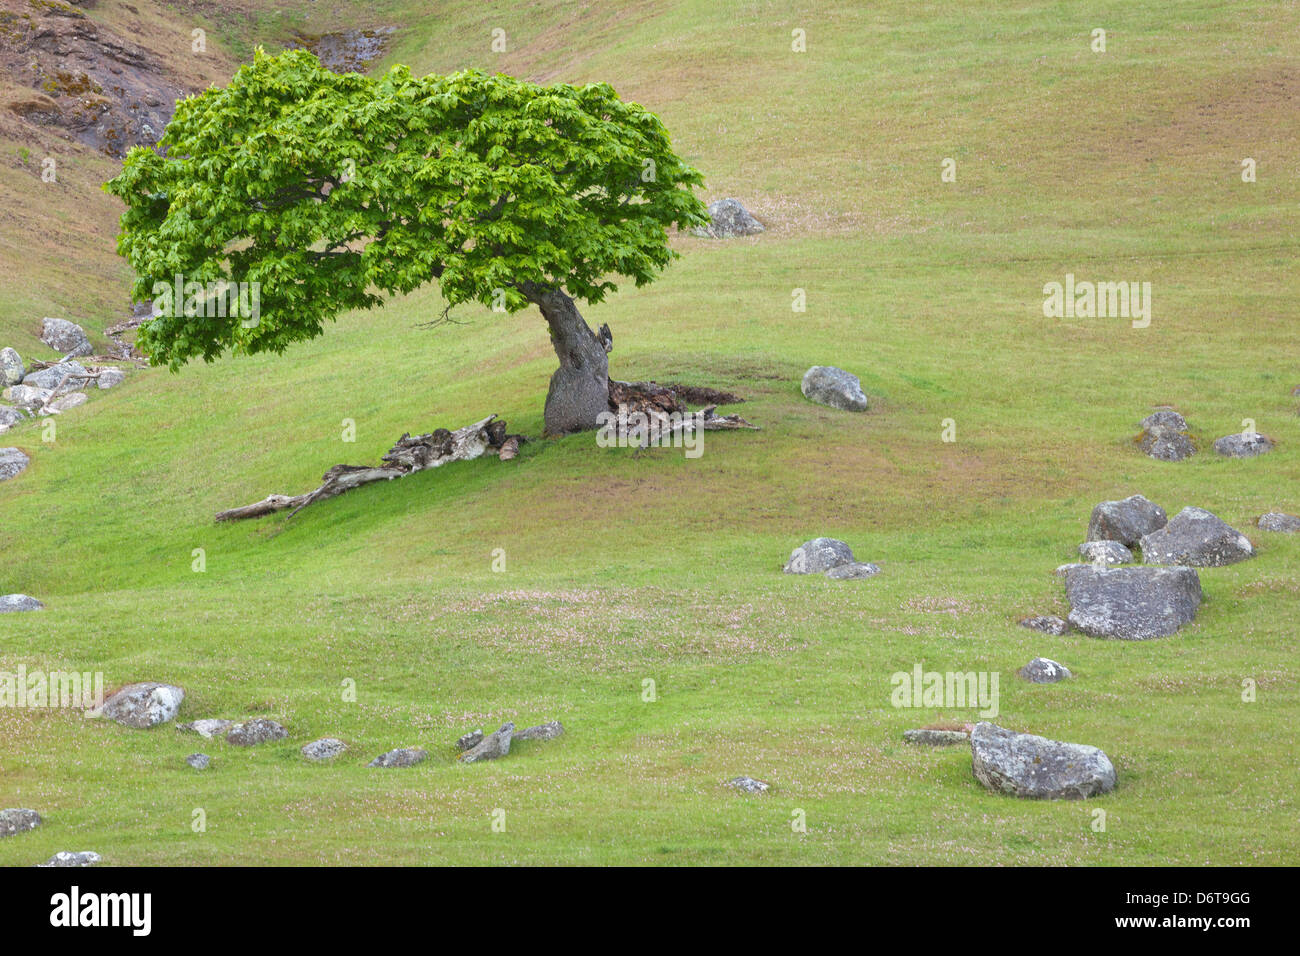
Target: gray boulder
(67,402)
(1277,521)
(854,571)
(925,737)
(17,820)
(1024,765)
(1125,521)
(728,219)
(1167,445)
(828,385)
(1196,538)
(1048,623)
(50,378)
(143,705)
(198,761)
(546,731)
(1105,552)
(18,602)
(402,757)
(27,396)
(1243,445)
(65,858)
(12,369)
(1043,670)
(819,556)
(12,462)
(259,730)
(1132,604)
(66,338)
(109,377)
(470,740)
(9,417)
(327,748)
(748,785)
(207,727)
(492,746)
(1165,420)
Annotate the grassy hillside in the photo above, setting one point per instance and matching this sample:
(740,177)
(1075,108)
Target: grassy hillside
(1123,165)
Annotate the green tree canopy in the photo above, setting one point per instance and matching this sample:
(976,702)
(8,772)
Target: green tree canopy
(328,190)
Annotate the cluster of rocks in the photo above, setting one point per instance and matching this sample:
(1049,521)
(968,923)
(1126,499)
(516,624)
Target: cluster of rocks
(474,746)
(50,389)
(830,557)
(727,220)
(834,387)
(1165,437)
(15,820)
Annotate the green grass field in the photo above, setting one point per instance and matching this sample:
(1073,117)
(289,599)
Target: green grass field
(1117,166)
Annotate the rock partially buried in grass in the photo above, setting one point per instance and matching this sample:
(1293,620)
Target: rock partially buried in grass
(1243,445)
(28,396)
(9,417)
(12,462)
(64,404)
(546,731)
(728,218)
(853,572)
(1024,765)
(1196,538)
(256,731)
(66,338)
(819,556)
(1165,438)
(1047,623)
(1105,552)
(17,820)
(470,740)
(65,858)
(1132,604)
(208,727)
(402,757)
(327,748)
(18,602)
(1125,521)
(834,387)
(748,785)
(492,747)
(1273,521)
(1044,670)
(65,374)
(929,737)
(110,377)
(198,761)
(143,705)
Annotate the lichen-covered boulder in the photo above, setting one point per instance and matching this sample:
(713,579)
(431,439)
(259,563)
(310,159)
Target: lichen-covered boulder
(1044,670)
(1243,445)
(828,385)
(1105,552)
(854,571)
(66,859)
(259,730)
(66,338)
(401,757)
(65,374)
(929,737)
(16,820)
(491,747)
(819,556)
(547,731)
(1132,604)
(327,748)
(9,417)
(1047,624)
(143,705)
(1025,765)
(1277,521)
(12,369)
(748,785)
(27,396)
(18,602)
(728,218)
(1196,538)
(1125,521)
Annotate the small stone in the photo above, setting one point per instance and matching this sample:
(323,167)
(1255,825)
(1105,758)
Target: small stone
(470,740)
(64,858)
(143,705)
(66,338)
(1105,552)
(18,602)
(1042,670)
(853,572)
(492,747)
(748,785)
(17,820)
(327,748)
(927,737)
(547,731)
(259,730)
(9,417)
(1277,521)
(198,761)
(402,757)
(1048,623)
(818,556)
(1243,445)
(834,387)
(208,727)
(12,462)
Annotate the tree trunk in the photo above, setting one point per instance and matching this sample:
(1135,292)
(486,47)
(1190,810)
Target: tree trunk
(579,389)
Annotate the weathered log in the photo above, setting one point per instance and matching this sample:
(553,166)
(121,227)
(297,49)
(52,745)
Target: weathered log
(406,457)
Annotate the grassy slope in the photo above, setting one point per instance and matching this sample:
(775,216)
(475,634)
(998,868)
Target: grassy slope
(1122,166)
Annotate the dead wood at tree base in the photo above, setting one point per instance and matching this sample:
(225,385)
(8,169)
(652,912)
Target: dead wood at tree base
(406,457)
(666,411)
